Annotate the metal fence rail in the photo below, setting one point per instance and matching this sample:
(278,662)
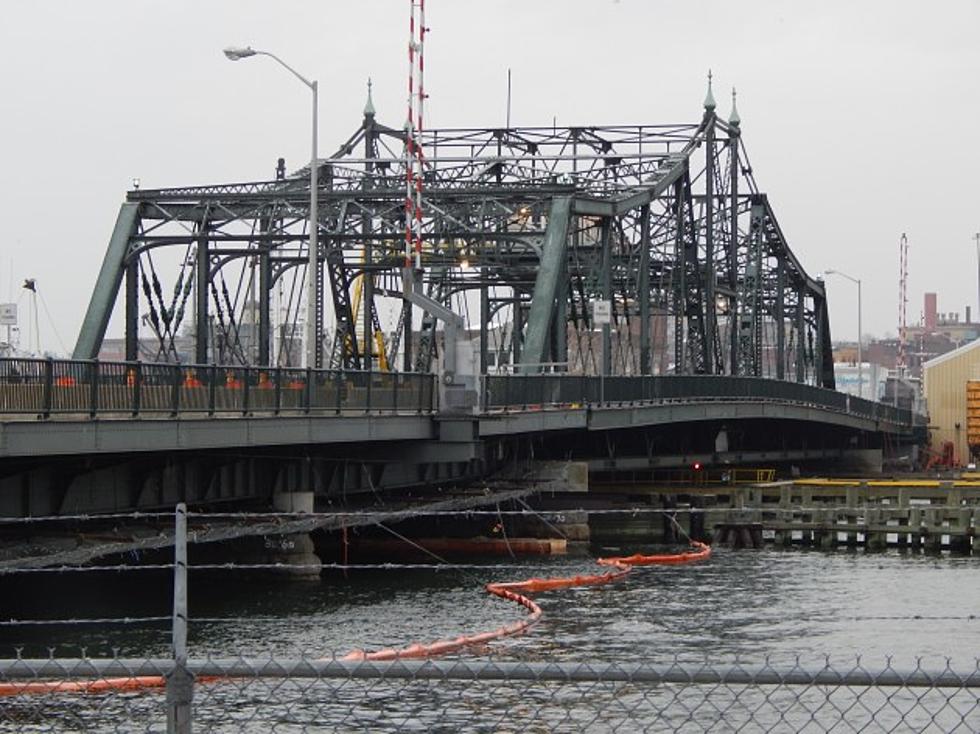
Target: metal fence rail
(505,391)
(47,387)
(270,694)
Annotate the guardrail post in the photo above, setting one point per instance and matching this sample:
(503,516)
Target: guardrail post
(394,392)
(175,392)
(245,390)
(339,390)
(212,388)
(367,399)
(278,388)
(137,388)
(180,681)
(93,388)
(48,386)
(309,390)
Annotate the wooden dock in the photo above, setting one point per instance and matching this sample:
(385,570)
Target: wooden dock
(917,514)
(931,514)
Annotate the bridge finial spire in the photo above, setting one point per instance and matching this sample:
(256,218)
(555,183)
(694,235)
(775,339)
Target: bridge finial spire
(369,105)
(733,119)
(709,98)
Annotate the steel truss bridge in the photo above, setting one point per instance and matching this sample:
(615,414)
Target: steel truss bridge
(523,230)
(716,349)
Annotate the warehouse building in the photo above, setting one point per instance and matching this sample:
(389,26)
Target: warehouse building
(945,385)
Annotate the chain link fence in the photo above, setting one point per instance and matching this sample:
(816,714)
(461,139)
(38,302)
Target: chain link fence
(482,695)
(474,690)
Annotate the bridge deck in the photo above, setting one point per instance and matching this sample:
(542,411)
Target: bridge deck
(50,407)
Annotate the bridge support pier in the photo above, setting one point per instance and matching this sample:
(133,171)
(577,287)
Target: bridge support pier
(294,550)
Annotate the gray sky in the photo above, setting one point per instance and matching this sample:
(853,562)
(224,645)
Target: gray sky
(859,118)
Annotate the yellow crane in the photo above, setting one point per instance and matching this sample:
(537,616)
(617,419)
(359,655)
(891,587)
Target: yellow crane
(379,337)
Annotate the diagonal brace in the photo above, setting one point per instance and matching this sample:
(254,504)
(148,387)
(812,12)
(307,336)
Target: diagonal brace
(553,254)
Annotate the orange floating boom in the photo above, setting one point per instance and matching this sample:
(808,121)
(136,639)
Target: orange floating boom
(510,590)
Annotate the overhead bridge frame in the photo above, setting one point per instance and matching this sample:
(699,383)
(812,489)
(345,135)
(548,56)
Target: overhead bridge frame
(524,229)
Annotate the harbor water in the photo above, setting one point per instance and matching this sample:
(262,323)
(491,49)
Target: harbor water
(744,605)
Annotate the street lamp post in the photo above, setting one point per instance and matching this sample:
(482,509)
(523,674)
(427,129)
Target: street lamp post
(860,354)
(311,337)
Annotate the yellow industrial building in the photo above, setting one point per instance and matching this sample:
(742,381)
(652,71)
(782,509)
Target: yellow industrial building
(945,383)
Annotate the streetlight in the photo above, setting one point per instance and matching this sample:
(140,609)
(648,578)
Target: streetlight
(236,54)
(860,354)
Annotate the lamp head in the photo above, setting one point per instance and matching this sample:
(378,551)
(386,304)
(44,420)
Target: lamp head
(830,272)
(234,53)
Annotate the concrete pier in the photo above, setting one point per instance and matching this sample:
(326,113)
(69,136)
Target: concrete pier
(295,550)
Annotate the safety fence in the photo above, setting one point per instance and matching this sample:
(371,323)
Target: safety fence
(522,391)
(240,694)
(47,387)
(473,688)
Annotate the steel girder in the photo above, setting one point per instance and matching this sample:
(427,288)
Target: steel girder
(665,221)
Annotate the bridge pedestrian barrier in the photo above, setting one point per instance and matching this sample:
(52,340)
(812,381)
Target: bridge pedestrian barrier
(552,390)
(47,387)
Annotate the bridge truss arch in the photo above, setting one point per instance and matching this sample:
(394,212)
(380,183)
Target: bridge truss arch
(524,229)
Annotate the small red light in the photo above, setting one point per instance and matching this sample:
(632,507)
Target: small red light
(697,466)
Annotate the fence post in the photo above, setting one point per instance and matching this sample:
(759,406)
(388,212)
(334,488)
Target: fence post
(137,388)
(245,390)
(175,391)
(212,388)
(93,394)
(309,389)
(180,682)
(278,373)
(46,388)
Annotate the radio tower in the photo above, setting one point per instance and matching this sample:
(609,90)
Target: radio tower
(903,286)
(414,157)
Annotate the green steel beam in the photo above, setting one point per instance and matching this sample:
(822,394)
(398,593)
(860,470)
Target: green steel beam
(553,254)
(107,286)
(675,169)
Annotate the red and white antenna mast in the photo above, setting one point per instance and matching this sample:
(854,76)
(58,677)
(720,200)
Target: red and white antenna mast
(903,293)
(414,157)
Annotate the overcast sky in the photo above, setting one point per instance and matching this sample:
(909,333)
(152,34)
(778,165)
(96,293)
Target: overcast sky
(860,118)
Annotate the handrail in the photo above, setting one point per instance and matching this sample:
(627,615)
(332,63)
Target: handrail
(548,390)
(47,387)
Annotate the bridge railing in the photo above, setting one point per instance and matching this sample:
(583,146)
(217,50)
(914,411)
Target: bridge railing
(551,390)
(47,387)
